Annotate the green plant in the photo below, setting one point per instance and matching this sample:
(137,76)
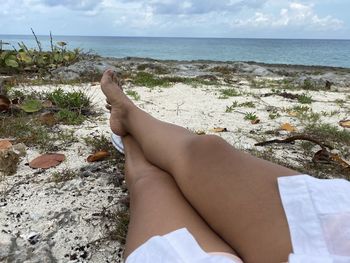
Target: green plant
(133,94)
(248,104)
(304,99)
(251,116)
(149,80)
(273,115)
(73,101)
(25,59)
(231,107)
(70,117)
(328,133)
(63,176)
(231,92)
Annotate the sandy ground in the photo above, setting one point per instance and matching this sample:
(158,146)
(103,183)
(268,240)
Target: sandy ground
(41,221)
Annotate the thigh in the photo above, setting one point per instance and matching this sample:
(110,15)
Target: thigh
(157,207)
(237,194)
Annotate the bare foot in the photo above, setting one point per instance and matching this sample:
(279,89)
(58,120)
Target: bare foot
(119,102)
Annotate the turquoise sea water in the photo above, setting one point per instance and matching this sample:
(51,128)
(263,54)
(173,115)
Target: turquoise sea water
(280,51)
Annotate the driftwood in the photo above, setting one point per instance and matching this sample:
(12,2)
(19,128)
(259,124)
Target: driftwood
(324,155)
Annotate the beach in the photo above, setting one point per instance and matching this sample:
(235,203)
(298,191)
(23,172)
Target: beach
(77,211)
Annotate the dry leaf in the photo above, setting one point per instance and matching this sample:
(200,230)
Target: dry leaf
(345,123)
(288,127)
(292,113)
(256,121)
(200,132)
(48,118)
(5,144)
(219,130)
(4,103)
(340,161)
(47,160)
(98,156)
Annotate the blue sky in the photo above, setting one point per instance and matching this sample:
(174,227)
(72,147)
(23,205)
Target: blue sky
(181,18)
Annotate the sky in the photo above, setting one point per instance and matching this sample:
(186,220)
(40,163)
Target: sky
(327,19)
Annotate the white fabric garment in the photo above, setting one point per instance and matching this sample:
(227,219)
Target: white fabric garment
(318,214)
(176,247)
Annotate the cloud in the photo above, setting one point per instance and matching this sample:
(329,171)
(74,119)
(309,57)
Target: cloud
(84,5)
(188,7)
(296,15)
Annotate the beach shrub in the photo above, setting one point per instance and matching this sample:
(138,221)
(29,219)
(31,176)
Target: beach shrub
(36,60)
(304,99)
(73,101)
(231,92)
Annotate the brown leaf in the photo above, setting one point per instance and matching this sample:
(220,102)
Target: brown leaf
(98,156)
(48,160)
(4,103)
(48,118)
(288,127)
(292,113)
(219,130)
(340,161)
(255,121)
(5,144)
(345,123)
(200,132)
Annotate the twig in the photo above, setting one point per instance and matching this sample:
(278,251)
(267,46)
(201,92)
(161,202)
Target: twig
(51,42)
(295,138)
(37,41)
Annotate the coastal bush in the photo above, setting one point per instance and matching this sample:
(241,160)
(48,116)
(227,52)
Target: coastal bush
(149,80)
(133,94)
(328,133)
(36,60)
(304,99)
(231,92)
(73,101)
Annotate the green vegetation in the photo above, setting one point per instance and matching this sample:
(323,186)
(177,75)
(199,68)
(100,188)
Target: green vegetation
(28,130)
(36,60)
(304,99)
(329,133)
(235,104)
(251,116)
(232,107)
(151,81)
(230,92)
(274,115)
(157,69)
(68,117)
(72,101)
(63,176)
(133,94)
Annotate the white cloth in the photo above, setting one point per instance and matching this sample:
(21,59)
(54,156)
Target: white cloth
(318,214)
(176,247)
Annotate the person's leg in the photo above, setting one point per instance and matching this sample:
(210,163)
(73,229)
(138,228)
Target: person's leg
(235,193)
(157,207)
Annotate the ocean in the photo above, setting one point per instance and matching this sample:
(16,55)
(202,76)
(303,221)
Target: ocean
(277,51)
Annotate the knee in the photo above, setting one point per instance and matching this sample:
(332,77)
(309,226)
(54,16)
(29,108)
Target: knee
(205,143)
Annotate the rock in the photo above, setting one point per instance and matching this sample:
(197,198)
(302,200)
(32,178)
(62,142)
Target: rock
(6,241)
(33,238)
(82,69)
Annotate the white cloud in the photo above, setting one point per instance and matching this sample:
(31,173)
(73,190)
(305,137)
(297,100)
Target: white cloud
(295,15)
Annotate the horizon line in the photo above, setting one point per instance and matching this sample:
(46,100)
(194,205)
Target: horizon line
(184,37)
